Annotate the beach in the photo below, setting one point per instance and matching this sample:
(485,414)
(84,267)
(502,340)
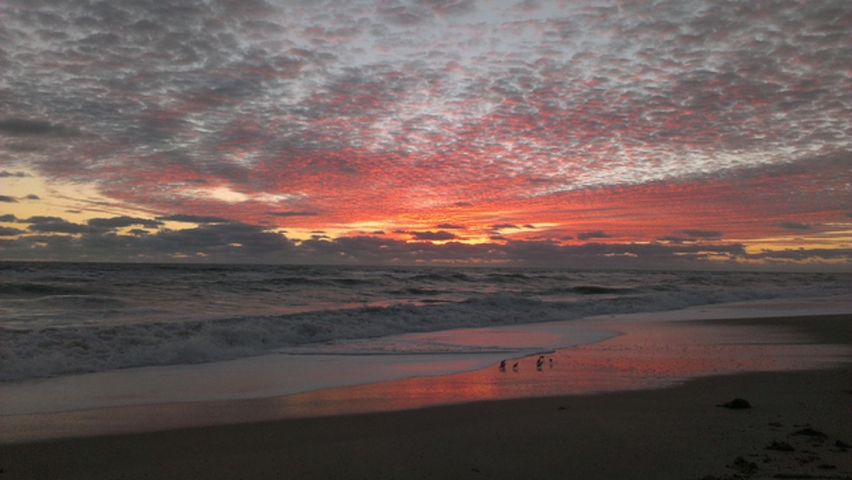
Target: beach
(797,425)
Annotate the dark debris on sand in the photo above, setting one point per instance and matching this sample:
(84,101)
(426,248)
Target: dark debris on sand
(781,446)
(805,453)
(736,404)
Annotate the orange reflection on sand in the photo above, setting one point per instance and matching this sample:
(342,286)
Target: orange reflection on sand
(650,355)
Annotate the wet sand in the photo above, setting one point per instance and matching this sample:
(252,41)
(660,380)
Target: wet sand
(798,425)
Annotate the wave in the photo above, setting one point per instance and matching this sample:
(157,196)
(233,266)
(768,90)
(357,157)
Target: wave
(47,352)
(8,289)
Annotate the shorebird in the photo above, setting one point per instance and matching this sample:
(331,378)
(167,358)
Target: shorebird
(503,366)
(539,363)
(515,366)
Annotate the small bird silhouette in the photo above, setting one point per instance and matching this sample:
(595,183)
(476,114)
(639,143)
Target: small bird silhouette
(503,366)
(515,366)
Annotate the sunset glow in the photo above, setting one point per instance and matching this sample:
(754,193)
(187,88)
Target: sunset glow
(540,133)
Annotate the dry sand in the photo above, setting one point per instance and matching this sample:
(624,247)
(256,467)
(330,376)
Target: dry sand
(799,426)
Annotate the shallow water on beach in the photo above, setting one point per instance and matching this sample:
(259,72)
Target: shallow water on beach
(631,352)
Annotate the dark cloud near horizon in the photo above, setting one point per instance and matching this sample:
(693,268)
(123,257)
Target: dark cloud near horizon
(593,234)
(440,235)
(123,221)
(294,214)
(703,233)
(240,242)
(10,232)
(193,218)
(503,226)
(8,199)
(57,225)
(795,226)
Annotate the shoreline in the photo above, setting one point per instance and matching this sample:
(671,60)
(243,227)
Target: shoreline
(644,354)
(673,432)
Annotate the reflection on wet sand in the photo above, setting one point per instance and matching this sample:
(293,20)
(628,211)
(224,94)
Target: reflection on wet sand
(647,355)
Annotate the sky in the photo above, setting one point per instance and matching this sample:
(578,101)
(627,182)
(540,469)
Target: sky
(572,133)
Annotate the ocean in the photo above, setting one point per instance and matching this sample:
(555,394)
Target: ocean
(63,319)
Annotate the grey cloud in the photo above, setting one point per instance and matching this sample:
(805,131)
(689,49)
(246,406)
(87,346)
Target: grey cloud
(8,199)
(8,218)
(673,239)
(9,232)
(593,234)
(703,233)
(6,174)
(252,240)
(804,255)
(294,214)
(795,226)
(21,126)
(400,14)
(501,226)
(449,7)
(59,226)
(527,5)
(439,235)
(123,221)
(32,196)
(42,219)
(193,218)
(240,242)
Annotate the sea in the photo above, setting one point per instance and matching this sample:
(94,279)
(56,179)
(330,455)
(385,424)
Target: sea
(67,319)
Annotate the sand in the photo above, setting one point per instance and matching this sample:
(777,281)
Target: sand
(799,426)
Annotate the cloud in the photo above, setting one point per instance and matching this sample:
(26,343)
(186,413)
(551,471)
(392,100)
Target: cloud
(20,126)
(7,174)
(193,218)
(235,242)
(294,214)
(32,196)
(123,221)
(703,233)
(8,218)
(42,224)
(672,239)
(436,236)
(795,226)
(518,111)
(801,255)
(9,232)
(450,226)
(593,234)
(8,199)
